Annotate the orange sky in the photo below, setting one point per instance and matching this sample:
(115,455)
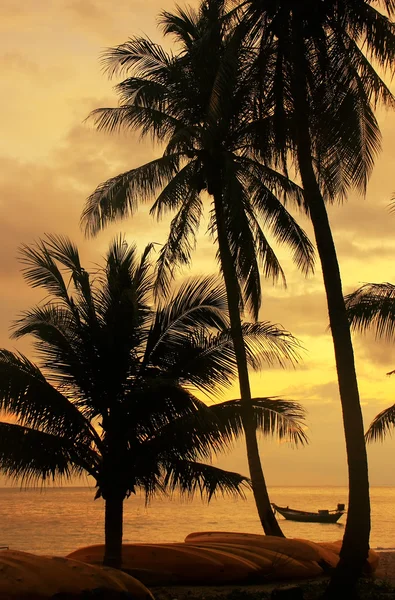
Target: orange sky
(50,161)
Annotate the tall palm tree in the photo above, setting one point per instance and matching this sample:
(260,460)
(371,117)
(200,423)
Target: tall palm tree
(113,396)
(316,62)
(198,103)
(372,306)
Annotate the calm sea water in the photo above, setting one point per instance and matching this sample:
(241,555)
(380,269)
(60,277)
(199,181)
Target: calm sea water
(60,520)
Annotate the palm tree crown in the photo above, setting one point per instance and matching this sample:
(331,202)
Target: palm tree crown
(199,103)
(114,395)
(329,51)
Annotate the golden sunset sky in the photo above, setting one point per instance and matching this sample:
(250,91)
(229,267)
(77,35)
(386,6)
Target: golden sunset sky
(50,162)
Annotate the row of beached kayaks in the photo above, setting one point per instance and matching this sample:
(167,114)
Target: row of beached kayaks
(205,558)
(221,558)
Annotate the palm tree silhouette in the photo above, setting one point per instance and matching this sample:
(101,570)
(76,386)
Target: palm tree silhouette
(114,394)
(199,103)
(316,63)
(372,306)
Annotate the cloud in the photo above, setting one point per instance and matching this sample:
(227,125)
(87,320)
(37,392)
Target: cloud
(303,314)
(98,20)
(379,352)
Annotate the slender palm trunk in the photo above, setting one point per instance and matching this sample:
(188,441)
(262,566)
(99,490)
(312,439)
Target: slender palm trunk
(113,528)
(355,546)
(261,496)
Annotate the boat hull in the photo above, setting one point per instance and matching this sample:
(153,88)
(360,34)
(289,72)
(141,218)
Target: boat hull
(308,517)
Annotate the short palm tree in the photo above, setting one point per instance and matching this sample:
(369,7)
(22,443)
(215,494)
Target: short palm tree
(316,62)
(113,396)
(199,104)
(372,306)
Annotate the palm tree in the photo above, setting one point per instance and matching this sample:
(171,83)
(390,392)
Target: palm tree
(372,306)
(113,395)
(315,61)
(199,104)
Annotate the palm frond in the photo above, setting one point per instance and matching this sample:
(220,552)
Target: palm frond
(64,251)
(64,344)
(181,242)
(381,425)
(28,396)
(194,435)
(142,279)
(191,477)
(275,216)
(41,270)
(156,122)
(31,455)
(182,24)
(140,54)
(199,302)
(273,417)
(377,32)
(242,247)
(118,197)
(373,306)
(203,360)
(269,344)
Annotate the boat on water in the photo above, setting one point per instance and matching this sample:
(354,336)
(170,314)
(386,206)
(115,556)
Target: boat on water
(322,516)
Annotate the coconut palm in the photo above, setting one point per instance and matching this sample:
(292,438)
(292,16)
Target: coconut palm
(316,62)
(198,103)
(372,306)
(113,396)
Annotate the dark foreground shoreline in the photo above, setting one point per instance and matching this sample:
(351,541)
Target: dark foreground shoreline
(381,587)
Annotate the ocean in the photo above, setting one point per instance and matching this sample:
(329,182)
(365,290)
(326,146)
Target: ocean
(57,520)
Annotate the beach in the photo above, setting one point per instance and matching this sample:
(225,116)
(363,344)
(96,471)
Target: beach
(386,569)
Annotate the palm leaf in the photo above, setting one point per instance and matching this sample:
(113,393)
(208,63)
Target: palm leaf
(141,54)
(373,306)
(177,250)
(190,477)
(41,270)
(277,418)
(32,455)
(118,197)
(269,344)
(27,395)
(381,425)
(198,302)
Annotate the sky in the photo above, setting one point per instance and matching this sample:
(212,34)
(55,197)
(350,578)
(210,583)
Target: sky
(51,160)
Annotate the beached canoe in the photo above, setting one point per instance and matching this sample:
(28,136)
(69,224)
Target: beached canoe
(272,564)
(303,550)
(166,564)
(299,549)
(24,575)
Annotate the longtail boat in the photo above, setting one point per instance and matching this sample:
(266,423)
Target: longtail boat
(322,516)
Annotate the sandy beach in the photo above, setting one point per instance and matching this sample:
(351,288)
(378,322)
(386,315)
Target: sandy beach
(386,569)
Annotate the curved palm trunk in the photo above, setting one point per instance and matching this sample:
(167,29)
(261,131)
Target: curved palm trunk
(113,528)
(356,536)
(261,496)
